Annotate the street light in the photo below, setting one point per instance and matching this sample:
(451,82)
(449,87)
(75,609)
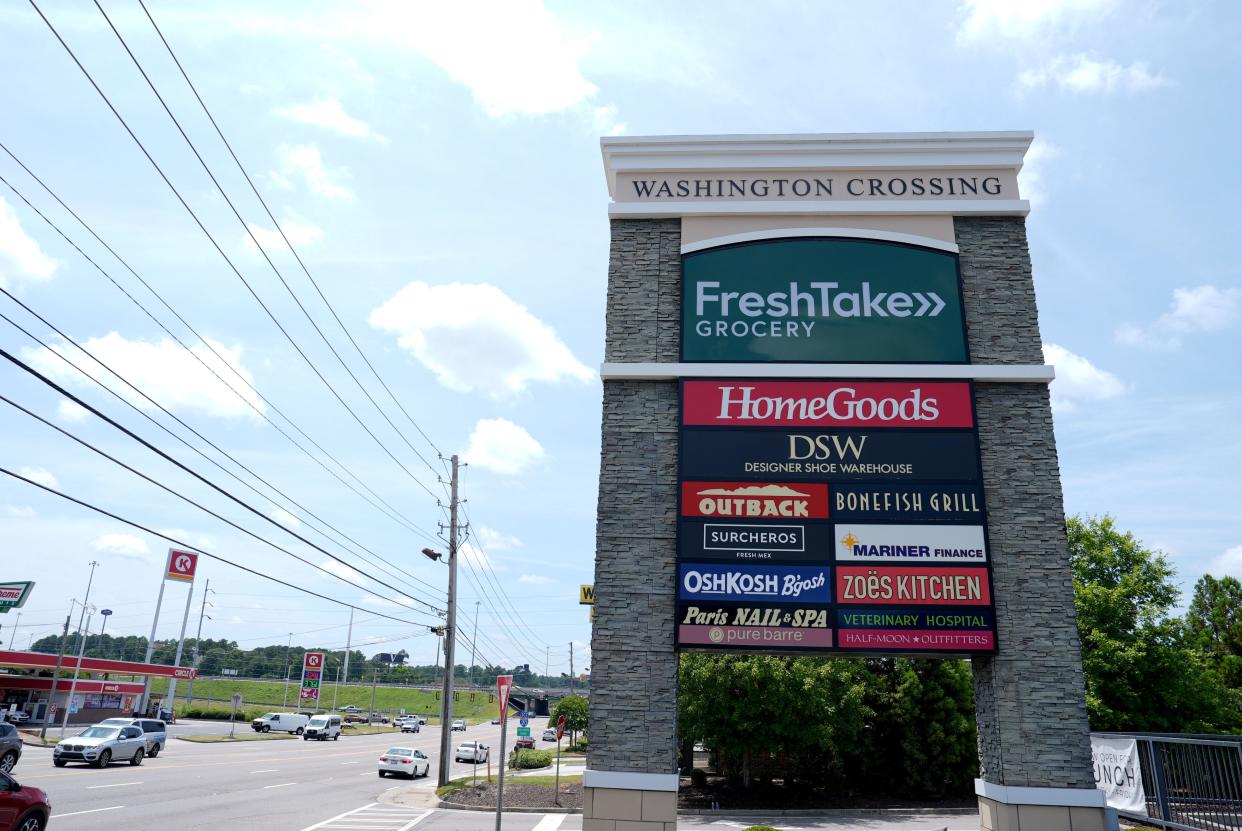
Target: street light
(106,614)
(432,555)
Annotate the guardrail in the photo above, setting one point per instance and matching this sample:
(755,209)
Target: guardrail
(1191,783)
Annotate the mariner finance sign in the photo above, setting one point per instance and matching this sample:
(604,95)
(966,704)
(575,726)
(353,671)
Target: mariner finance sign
(822,300)
(832,516)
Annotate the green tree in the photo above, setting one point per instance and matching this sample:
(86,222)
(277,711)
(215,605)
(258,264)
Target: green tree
(1142,672)
(576,712)
(1214,623)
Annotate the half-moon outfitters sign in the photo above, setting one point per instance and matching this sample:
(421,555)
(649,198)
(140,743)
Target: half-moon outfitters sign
(765,563)
(825,300)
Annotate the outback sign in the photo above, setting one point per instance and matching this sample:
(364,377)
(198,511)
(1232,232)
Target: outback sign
(824,300)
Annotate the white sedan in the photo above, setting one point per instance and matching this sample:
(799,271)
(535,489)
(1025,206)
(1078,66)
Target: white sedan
(472,752)
(403,761)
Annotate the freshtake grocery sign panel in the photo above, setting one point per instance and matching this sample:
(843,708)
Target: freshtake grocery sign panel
(843,516)
(822,300)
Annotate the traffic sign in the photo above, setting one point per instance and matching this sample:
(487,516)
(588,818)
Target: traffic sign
(560,728)
(523,731)
(181,565)
(504,683)
(523,722)
(524,714)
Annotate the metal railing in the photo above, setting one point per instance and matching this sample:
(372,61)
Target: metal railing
(1191,782)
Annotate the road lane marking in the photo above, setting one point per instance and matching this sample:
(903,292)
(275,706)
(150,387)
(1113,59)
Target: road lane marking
(355,762)
(415,821)
(550,822)
(91,811)
(338,816)
(266,770)
(117,785)
(281,785)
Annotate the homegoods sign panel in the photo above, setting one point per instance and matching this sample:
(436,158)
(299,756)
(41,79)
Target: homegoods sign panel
(842,516)
(822,300)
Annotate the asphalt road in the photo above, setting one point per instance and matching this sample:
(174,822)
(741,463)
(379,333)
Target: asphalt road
(294,785)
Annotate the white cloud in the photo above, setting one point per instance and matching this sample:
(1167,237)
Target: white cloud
(1031,177)
(71,411)
(304,161)
(286,519)
(39,475)
(1078,380)
(494,540)
(200,541)
(516,56)
(163,370)
(501,446)
(20,256)
(1082,73)
(1228,564)
(475,337)
(606,121)
(299,233)
(1193,310)
(397,602)
(124,545)
(1020,19)
(341,570)
(479,559)
(20,511)
(534,579)
(327,113)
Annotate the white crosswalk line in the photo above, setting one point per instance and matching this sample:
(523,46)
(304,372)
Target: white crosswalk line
(550,822)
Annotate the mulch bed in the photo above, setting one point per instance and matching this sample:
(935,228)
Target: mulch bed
(719,793)
(520,795)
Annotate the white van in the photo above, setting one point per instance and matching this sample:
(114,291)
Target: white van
(294,723)
(323,727)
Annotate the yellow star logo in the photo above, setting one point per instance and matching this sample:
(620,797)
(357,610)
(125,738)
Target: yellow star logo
(849,541)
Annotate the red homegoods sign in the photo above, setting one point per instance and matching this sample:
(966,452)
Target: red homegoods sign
(504,683)
(914,585)
(181,565)
(827,403)
(755,500)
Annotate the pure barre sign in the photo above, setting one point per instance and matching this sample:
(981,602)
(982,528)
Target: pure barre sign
(832,515)
(822,300)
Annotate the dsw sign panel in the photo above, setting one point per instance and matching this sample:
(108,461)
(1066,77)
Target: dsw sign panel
(822,301)
(832,516)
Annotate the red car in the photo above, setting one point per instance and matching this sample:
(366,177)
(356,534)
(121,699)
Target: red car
(22,809)
(525,742)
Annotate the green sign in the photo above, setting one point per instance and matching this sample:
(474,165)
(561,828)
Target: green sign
(523,731)
(822,300)
(13,594)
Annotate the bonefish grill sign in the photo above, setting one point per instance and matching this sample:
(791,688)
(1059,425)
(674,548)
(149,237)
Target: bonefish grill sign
(822,300)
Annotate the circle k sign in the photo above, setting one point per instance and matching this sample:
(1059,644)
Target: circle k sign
(181,565)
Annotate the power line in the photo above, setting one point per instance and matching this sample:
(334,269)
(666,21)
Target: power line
(75,399)
(288,242)
(500,589)
(187,546)
(387,508)
(219,449)
(292,342)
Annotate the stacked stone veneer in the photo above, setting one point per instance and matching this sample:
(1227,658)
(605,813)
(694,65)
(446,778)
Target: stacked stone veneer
(1029,698)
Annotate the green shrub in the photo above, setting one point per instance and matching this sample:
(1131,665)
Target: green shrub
(698,778)
(760,828)
(579,746)
(528,759)
(219,713)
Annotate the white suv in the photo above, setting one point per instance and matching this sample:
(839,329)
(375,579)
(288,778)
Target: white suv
(472,752)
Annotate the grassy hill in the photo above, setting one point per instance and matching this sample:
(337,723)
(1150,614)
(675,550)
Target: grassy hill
(472,705)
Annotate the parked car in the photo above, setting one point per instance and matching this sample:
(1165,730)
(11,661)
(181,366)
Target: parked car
(10,747)
(549,735)
(525,743)
(351,709)
(355,718)
(422,719)
(292,723)
(22,808)
(101,744)
(404,761)
(323,728)
(154,730)
(496,720)
(379,718)
(16,716)
(472,752)
(459,724)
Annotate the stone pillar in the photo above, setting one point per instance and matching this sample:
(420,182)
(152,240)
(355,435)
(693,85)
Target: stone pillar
(631,778)
(1034,747)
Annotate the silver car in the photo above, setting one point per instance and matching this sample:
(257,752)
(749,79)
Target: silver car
(153,730)
(101,744)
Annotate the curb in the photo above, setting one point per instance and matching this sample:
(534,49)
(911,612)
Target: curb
(457,806)
(827,812)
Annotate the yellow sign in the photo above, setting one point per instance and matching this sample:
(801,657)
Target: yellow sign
(586,595)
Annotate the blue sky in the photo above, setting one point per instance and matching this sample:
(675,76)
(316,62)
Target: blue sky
(437,168)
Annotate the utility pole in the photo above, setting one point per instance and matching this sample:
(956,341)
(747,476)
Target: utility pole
(474,641)
(349,642)
(51,698)
(450,632)
(547,665)
(13,636)
(571,667)
(284,702)
(374,677)
(81,649)
(198,637)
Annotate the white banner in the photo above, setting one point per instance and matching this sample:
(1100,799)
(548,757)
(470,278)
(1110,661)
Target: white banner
(1117,773)
(911,543)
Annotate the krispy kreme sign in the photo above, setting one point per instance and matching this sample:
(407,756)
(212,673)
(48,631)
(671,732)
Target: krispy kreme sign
(754,500)
(827,403)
